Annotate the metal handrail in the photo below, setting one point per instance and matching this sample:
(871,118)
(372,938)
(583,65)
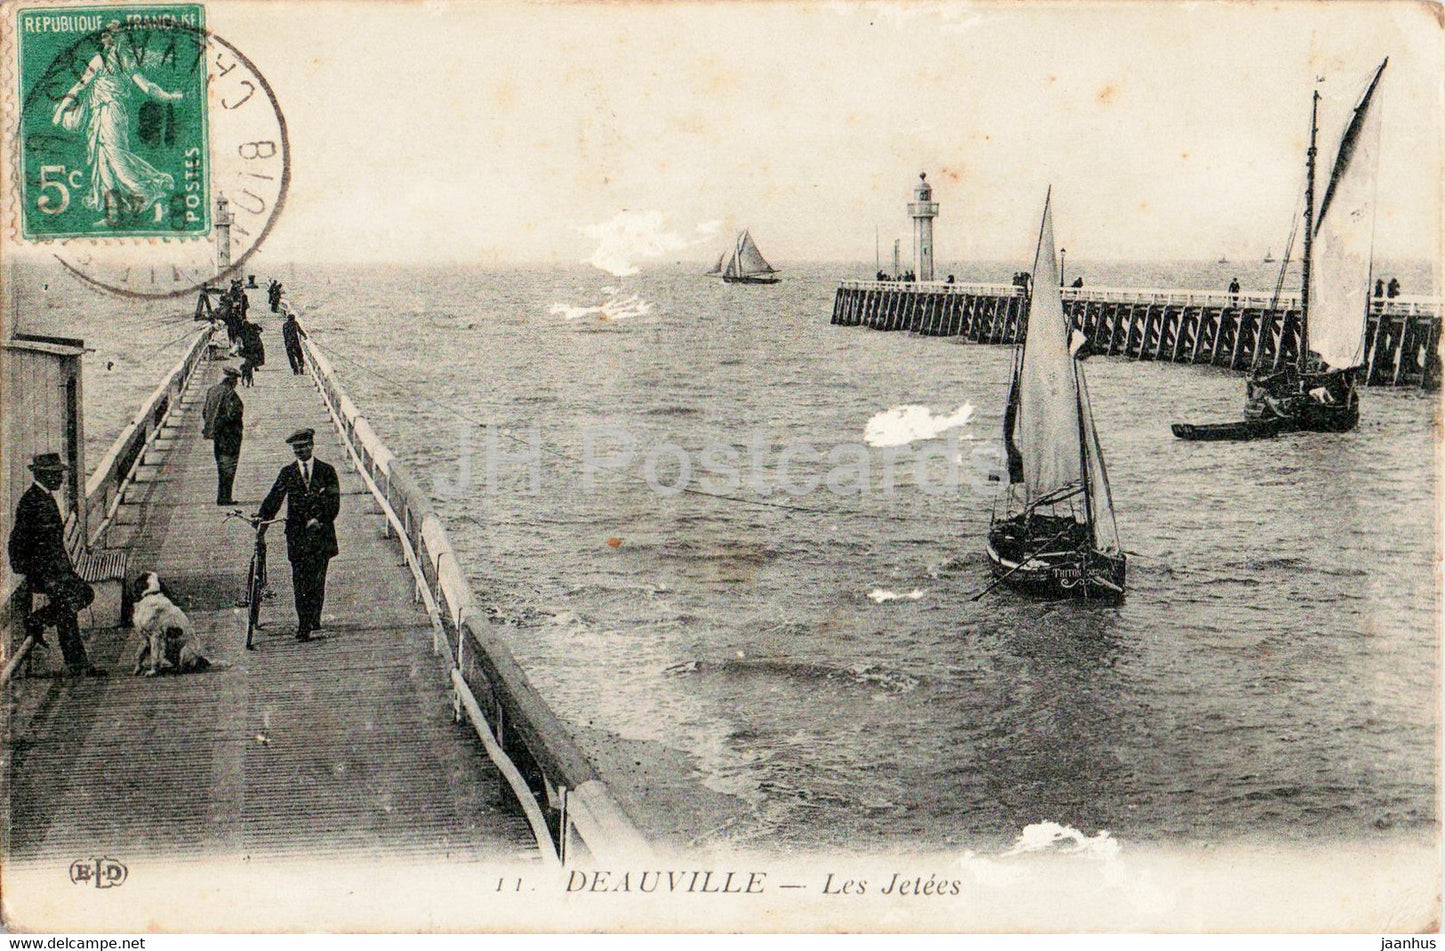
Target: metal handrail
(590,809)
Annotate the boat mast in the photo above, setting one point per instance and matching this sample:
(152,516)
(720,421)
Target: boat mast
(1304,296)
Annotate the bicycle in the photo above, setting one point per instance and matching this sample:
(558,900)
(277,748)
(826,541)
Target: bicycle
(255,574)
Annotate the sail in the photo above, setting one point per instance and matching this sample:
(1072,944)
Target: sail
(721,261)
(1339,292)
(1101,499)
(1047,427)
(749,258)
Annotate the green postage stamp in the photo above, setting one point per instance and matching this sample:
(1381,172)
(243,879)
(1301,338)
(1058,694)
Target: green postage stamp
(113,132)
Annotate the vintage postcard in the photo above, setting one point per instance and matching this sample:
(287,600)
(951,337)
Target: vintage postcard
(771,466)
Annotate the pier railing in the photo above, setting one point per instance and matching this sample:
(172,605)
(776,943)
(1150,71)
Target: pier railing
(105,490)
(559,789)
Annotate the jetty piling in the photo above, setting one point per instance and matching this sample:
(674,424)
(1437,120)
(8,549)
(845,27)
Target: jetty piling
(1238,332)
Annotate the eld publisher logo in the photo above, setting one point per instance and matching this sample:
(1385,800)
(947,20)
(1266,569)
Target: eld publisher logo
(104,872)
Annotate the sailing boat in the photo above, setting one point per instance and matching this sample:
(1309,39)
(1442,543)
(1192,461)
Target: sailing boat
(744,264)
(1269,256)
(1318,392)
(1056,535)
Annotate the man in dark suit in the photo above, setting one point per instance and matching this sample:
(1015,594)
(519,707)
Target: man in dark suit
(313,497)
(37,550)
(291,334)
(223,419)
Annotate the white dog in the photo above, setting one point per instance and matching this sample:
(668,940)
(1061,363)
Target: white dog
(168,641)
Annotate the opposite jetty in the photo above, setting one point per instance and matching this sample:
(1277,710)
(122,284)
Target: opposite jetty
(1240,332)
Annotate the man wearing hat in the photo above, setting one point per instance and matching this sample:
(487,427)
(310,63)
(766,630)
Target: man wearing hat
(313,497)
(224,419)
(37,550)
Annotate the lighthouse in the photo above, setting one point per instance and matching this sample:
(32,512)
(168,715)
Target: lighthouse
(223,236)
(923,209)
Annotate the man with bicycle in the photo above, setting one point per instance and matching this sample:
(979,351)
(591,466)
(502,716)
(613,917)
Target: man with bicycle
(313,498)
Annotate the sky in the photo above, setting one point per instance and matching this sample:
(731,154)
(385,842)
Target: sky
(633,133)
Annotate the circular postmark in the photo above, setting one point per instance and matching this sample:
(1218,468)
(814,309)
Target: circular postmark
(153,155)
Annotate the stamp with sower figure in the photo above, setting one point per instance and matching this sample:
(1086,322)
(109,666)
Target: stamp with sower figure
(113,131)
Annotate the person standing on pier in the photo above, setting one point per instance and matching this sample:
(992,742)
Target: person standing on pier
(252,350)
(224,419)
(313,498)
(37,551)
(291,334)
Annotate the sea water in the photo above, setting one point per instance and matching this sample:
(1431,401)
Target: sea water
(822,656)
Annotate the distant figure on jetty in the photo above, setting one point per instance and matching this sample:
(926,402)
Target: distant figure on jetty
(1379,287)
(1393,289)
(273,295)
(313,498)
(252,350)
(37,551)
(291,334)
(1078,282)
(239,299)
(227,312)
(950,279)
(1234,291)
(223,417)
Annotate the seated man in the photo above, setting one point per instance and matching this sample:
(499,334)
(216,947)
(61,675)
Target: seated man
(37,550)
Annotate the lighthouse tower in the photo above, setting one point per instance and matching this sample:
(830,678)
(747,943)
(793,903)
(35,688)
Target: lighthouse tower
(223,235)
(923,209)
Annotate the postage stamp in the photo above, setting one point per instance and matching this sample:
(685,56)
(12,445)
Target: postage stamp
(113,126)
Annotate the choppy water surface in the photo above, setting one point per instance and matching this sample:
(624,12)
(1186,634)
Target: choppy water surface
(1272,673)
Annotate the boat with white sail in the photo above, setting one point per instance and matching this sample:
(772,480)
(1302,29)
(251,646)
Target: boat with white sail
(1318,392)
(744,263)
(1053,531)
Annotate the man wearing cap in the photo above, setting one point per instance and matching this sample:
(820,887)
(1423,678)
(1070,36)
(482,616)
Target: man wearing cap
(37,550)
(224,419)
(313,497)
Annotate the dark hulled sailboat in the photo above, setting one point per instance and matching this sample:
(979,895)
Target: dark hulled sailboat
(1318,393)
(1056,534)
(744,264)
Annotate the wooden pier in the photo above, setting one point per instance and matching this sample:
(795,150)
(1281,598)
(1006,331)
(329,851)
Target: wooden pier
(402,734)
(1239,332)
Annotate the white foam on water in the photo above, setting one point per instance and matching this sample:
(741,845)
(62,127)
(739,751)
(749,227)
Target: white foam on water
(1131,890)
(613,307)
(631,236)
(880,595)
(1053,837)
(905,424)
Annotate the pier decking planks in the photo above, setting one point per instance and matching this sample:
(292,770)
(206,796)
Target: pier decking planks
(346,746)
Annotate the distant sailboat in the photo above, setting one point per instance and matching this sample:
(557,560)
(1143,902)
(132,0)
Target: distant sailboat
(1056,535)
(744,264)
(1318,393)
(1223,259)
(1269,256)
